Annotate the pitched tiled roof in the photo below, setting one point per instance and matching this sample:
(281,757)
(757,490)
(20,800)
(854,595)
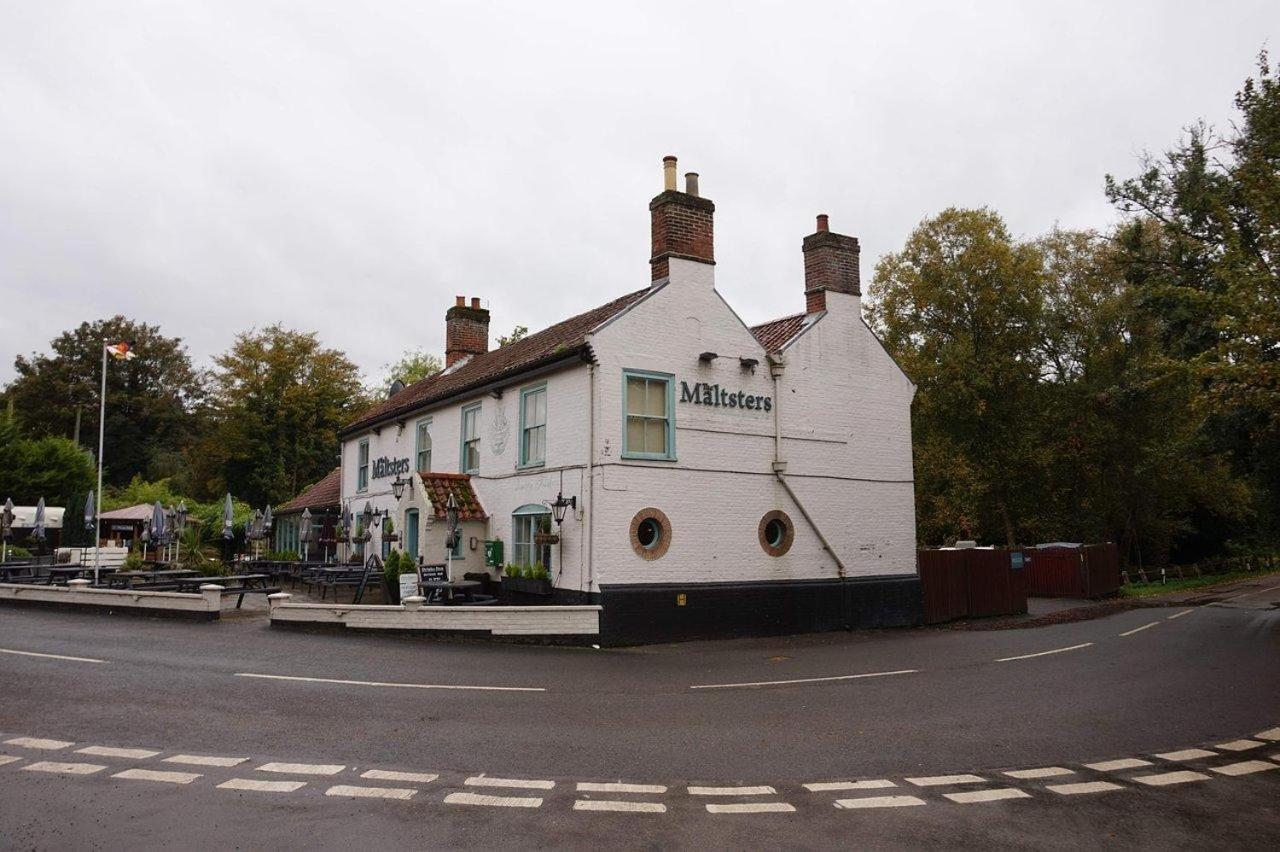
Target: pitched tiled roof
(440,485)
(775,334)
(322,495)
(561,341)
(140,512)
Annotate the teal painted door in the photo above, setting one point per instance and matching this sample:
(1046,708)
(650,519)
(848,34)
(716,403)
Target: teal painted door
(411,532)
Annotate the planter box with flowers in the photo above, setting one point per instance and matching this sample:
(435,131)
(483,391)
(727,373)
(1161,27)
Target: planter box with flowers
(527,580)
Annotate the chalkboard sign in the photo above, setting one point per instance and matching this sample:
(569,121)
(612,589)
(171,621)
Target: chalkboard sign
(432,573)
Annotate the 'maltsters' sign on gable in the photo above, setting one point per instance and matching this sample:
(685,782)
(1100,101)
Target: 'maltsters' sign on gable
(702,393)
(389,467)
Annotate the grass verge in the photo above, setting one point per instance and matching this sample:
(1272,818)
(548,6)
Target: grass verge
(1142,590)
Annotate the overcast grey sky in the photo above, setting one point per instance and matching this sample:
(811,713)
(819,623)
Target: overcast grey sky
(348,168)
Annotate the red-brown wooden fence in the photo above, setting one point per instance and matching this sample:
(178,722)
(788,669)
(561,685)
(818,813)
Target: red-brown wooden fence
(971,583)
(1092,571)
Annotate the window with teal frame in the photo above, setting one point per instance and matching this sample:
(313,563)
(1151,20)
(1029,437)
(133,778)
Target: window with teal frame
(526,523)
(648,415)
(470,459)
(362,473)
(423,446)
(533,426)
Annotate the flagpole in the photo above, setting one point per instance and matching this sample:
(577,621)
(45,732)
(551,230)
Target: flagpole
(102,431)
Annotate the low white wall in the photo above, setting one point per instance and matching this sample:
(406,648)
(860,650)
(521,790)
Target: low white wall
(495,620)
(78,593)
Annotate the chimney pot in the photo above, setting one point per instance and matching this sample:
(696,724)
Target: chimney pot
(822,222)
(460,301)
(682,223)
(668,172)
(475,302)
(691,183)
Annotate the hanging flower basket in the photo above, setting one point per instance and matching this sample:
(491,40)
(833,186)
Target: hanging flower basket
(546,538)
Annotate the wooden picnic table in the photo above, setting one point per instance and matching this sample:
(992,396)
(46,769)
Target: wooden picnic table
(234,584)
(449,587)
(125,579)
(60,574)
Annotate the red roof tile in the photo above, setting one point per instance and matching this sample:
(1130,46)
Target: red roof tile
(775,334)
(440,485)
(321,495)
(561,341)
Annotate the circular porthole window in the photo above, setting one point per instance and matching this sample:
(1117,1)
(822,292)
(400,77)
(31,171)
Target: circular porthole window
(650,533)
(776,532)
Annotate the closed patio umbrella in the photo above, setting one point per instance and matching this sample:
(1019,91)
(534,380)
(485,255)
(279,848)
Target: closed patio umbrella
(89,514)
(6,528)
(228,520)
(157,524)
(304,532)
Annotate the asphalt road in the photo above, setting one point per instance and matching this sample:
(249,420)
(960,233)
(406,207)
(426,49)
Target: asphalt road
(770,716)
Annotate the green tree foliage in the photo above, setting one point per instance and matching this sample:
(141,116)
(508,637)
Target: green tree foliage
(414,365)
(149,398)
(31,468)
(520,332)
(277,399)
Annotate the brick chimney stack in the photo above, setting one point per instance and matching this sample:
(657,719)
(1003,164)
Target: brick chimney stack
(831,262)
(681,222)
(466,331)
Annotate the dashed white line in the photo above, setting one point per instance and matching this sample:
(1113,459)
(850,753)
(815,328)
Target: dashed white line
(1139,629)
(50,656)
(7,759)
(109,751)
(942,780)
(751,808)
(830,786)
(492,801)
(64,768)
(1187,754)
(1239,745)
(1179,614)
(352,791)
(36,743)
(391,684)
(1083,787)
(523,783)
(1045,653)
(1273,735)
(154,775)
(204,760)
(618,787)
(1117,765)
(410,777)
(1164,779)
(302,768)
(802,680)
(1043,772)
(260,786)
(879,802)
(1247,767)
(732,791)
(970,797)
(619,806)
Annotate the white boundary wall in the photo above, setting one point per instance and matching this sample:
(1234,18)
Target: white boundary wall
(494,620)
(78,593)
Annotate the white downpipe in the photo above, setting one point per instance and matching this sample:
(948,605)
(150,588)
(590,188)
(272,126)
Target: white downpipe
(591,477)
(102,433)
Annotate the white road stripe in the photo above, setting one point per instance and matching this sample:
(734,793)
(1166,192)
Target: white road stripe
(970,797)
(302,768)
(1251,594)
(411,777)
(1273,735)
(385,683)
(879,802)
(1164,779)
(370,792)
(1187,754)
(751,808)
(523,783)
(6,759)
(491,801)
(940,780)
(50,656)
(64,768)
(1044,653)
(732,791)
(34,742)
(1117,765)
(1179,614)
(262,786)
(1247,767)
(830,786)
(620,807)
(153,775)
(802,680)
(593,787)
(1044,772)
(109,751)
(1139,629)
(1239,745)
(1084,787)
(205,760)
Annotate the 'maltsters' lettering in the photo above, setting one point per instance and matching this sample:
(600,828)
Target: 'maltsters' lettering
(702,393)
(389,467)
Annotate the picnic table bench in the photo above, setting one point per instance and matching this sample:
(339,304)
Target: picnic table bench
(156,581)
(235,584)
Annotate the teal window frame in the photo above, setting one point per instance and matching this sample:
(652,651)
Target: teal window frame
(525,461)
(421,427)
(362,466)
(537,517)
(474,408)
(412,530)
(670,379)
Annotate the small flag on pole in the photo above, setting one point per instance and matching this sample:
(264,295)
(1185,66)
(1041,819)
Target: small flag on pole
(122,351)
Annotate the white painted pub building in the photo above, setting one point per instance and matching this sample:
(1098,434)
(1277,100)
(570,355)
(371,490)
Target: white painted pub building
(725,479)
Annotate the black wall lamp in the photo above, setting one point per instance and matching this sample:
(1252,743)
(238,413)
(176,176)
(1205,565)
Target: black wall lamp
(560,505)
(397,486)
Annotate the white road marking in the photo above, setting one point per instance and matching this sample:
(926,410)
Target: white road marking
(302,768)
(205,760)
(1179,614)
(1117,765)
(1273,735)
(940,780)
(802,680)
(108,751)
(970,797)
(1139,629)
(751,808)
(1239,745)
(34,742)
(1044,653)
(1247,767)
(829,786)
(1083,787)
(732,791)
(491,801)
(879,802)
(50,656)
(1187,754)
(524,783)
(1164,779)
(64,768)
(370,792)
(6,759)
(153,775)
(592,787)
(620,807)
(1251,594)
(1044,772)
(384,683)
(411,777)
(262,786)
